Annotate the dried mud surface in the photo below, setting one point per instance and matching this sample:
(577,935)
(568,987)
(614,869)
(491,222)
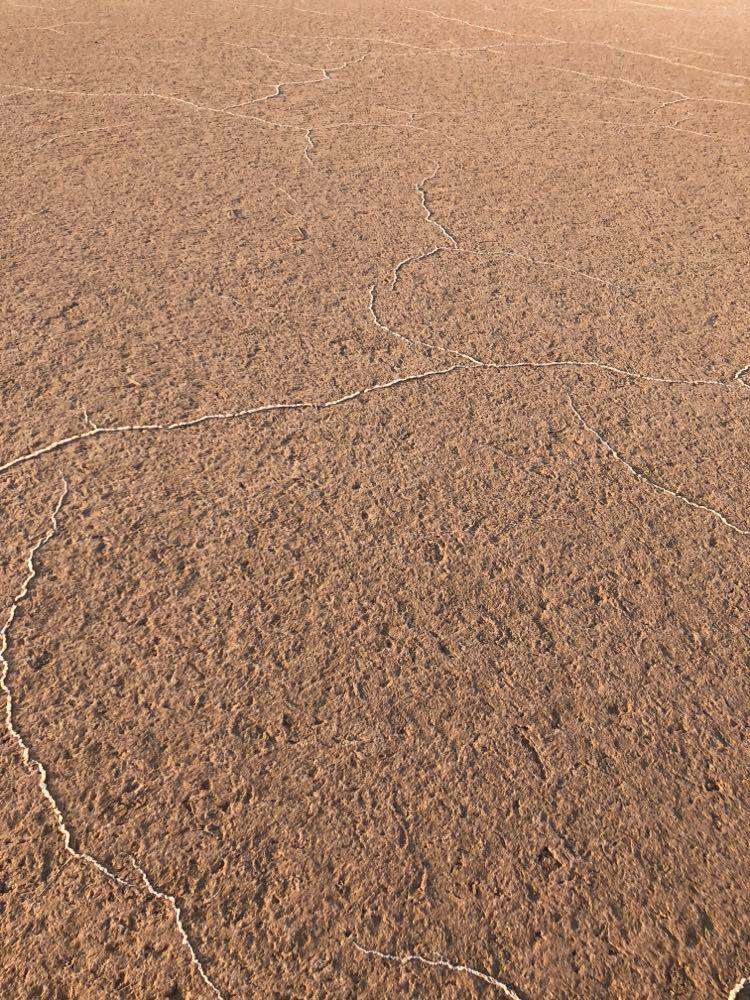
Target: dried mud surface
(375,488)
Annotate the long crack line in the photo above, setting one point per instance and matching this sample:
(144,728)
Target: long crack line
(670,62)
(18,90)
(28,760)
(658,487)
(642,125)
(678,94)
(454,247)
(32,764)
(97,430)
(566,41)
(486,27)
(442,963)
(472,364)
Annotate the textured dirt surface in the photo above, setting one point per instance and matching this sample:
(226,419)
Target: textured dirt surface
(374,378)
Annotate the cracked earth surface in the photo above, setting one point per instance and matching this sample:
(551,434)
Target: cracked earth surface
(375,486)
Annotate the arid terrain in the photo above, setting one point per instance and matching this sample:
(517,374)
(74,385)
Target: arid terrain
(375,500)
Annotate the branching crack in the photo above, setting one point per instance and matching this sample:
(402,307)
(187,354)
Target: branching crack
(279,87)
(466,363)
(473,364)
(452,245)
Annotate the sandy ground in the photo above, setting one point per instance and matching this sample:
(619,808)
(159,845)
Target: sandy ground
(373,381)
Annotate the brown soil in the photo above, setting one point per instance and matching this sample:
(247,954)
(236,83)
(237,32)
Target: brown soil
(447,660)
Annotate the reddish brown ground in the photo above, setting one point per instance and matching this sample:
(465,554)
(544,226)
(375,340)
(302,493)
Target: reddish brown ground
(432,670)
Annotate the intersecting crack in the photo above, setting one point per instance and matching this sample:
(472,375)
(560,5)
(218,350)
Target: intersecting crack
(450,243)
(34,766)
(473,364)
(441,963)
(97,430)
(467,364)
(232,112)
(452,246)
(280,87)
(19,89)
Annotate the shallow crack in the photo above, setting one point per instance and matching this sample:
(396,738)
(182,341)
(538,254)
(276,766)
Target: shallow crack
(35,766)
(678,94)
(452,245)
(309,146)
(505,989)
(279,87)
(428,214)
(566,41)
(485,27)
(473,364)
(642,125)
(177,915)
(27,759)
(658,487)
(84,131)
(468,363)
(19,90)
(412,341)
(671,62)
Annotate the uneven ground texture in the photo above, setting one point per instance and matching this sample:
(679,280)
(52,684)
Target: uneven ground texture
(375,490)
